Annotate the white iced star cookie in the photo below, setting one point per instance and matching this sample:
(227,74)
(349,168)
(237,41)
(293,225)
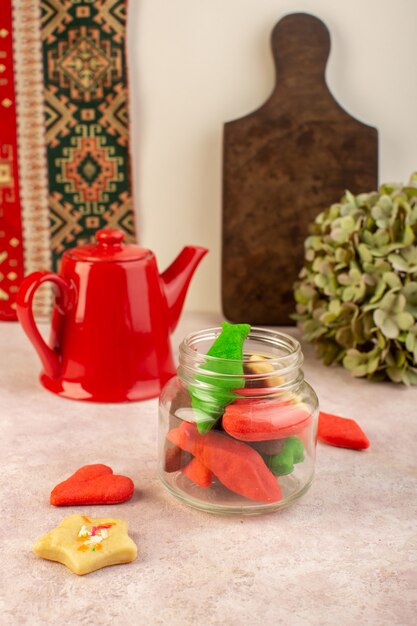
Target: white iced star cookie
(85,545)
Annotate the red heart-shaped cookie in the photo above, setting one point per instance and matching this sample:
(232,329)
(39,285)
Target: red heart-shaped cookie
(92,484)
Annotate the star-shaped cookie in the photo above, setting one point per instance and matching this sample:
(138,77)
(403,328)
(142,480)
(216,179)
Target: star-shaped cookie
(85,545)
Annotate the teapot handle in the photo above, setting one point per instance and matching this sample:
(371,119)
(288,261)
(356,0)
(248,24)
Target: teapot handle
(24,301)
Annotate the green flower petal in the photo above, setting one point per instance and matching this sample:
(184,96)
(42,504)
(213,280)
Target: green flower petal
(390,328)
(404,320)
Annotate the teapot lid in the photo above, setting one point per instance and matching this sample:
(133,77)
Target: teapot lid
(109,247)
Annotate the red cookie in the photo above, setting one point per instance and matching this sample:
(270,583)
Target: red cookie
(198,473)
(264,419)
(92,484)
(341,432)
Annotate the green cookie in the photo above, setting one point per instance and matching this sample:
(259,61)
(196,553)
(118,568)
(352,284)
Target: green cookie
(211,393)
(283,463)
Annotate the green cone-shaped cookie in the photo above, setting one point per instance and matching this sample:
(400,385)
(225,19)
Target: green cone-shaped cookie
(211,393)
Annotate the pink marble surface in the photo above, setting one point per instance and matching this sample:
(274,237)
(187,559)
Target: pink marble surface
(346,553)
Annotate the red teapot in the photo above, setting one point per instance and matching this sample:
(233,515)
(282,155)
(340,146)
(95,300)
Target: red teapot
(112,319)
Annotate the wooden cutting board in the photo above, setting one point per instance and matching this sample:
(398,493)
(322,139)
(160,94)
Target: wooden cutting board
(283,164)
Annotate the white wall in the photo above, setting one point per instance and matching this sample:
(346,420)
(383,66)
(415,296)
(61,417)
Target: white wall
(195,64)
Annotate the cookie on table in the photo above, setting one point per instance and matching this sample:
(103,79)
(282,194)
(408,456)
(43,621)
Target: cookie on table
(84,545)
(92,484)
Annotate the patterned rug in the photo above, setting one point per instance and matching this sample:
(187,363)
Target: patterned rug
(72,97)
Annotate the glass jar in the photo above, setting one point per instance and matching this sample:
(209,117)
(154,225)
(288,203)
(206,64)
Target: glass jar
(238,444)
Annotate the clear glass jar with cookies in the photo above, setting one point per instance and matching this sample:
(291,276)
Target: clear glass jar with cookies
(237,425)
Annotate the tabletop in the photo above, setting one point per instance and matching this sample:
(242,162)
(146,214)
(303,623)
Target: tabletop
(345,553)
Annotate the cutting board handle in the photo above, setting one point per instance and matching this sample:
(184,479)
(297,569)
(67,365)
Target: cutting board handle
(300,47)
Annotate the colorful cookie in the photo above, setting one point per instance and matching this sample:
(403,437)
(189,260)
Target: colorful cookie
(236,465)
(259,365)
(85,545)
(262,420)
(211,393)
(92,484)
(175,458)
(291,453)
(198,473)
(341,432)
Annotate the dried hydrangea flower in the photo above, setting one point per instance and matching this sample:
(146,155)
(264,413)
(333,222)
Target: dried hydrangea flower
(357,292)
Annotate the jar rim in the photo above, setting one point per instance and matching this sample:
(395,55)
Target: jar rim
(292,359)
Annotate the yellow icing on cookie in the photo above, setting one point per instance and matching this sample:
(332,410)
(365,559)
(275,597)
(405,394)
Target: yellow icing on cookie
(85,545)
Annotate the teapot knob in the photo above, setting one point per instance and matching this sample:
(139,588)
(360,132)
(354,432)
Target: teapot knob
(110,237)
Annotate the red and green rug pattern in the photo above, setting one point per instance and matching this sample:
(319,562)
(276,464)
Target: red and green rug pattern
(86,112)
(63,86)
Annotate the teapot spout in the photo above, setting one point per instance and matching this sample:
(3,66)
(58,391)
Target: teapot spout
(176,280)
